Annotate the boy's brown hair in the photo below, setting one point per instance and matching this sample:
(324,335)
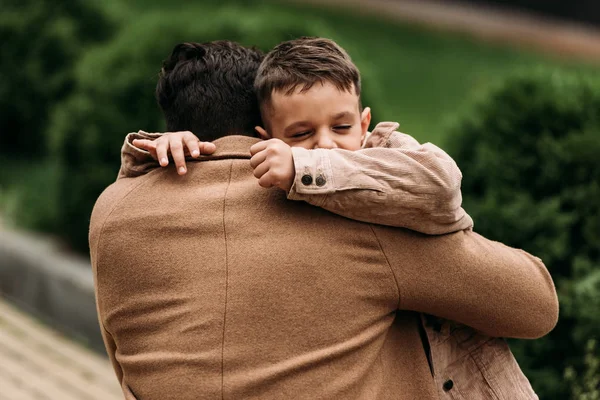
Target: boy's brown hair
(302,63)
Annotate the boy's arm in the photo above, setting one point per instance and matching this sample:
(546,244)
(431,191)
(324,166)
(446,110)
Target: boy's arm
(141,150)
(392,181)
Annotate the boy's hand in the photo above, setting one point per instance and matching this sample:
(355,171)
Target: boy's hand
(179,144)
(273,164)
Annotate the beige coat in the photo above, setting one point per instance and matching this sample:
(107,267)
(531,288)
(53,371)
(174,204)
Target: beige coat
(209,286)
(394,180)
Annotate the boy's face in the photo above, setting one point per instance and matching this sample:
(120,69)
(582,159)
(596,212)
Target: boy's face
(322,117)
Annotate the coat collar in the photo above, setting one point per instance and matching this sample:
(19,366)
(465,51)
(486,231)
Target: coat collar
(380,134)
(234,146)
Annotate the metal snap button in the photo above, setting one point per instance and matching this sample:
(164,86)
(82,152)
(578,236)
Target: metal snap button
(320,180)
(306,180)
(448,385)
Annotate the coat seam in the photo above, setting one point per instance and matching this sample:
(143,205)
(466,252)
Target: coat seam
(96,272)
(226,285)
(389,266)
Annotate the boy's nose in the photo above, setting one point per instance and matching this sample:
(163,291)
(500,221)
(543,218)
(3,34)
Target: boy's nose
(325,141)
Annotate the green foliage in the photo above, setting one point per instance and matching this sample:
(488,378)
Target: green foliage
(41,42)
(587,385)
(529,154)
(29,185)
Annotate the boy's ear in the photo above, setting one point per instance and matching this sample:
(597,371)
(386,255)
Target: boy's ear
(365,121)
(262,133)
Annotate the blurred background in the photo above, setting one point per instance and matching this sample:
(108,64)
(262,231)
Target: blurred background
(511,89)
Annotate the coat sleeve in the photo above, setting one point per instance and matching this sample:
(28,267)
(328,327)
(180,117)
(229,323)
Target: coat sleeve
(464,277)
(404,184)
(135,161)
(102,210)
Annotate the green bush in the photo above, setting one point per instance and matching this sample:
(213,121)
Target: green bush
(115,93)
(586,385)
(41,42)
(530,156)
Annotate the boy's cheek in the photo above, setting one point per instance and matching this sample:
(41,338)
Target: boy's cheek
(354,141)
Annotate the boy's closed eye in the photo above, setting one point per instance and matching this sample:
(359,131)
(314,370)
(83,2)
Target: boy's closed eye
(342,127)
(301,134)
(335,128)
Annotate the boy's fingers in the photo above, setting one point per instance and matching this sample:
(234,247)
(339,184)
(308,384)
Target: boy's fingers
(178,155)
(258,159)
(144,144)
(260,146)
(152,152)
(207,147)
(261,170)
(162,148)
(266,181)
(193,146)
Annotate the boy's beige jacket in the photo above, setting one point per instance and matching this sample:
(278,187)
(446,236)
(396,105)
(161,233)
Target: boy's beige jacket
(394,180)
(209,286)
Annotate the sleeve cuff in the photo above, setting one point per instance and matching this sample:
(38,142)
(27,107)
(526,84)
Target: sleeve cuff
(135,161)
(314,174)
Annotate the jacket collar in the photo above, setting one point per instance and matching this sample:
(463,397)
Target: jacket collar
(234,146)
(381,134)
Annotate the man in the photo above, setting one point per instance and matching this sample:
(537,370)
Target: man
(210,287)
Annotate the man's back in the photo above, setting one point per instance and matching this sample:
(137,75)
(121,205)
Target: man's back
(211,287)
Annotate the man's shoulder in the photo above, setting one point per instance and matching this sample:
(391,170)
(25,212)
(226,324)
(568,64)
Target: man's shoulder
(109,200)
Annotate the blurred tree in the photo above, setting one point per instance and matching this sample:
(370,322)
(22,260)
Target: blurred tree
(529,153)
(41,42)
(586,386)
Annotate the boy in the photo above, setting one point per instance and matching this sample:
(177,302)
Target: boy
(317,148)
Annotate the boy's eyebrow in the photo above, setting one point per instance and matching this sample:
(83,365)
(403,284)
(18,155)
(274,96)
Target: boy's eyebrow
(343,114)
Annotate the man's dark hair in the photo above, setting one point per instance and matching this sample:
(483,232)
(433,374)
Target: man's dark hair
(207,88)
(302,63)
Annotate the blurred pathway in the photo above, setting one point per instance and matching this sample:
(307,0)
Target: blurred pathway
(525,29)
(37,363)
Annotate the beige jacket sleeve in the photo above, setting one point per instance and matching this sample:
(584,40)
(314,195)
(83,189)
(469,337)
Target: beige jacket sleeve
(392,181)
(103,208)
(464,277)
(134,161)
